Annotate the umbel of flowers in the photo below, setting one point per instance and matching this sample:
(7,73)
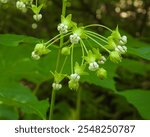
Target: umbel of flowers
(92,58)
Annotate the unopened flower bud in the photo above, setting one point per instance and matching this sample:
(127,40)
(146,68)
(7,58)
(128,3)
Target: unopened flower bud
(65,51)
(102,60)
(121,49)
(37,17)
(20,5)
(35,56)
(74,38)
(115,56)
(123,40)
(62,28)
(75,77)
(93,66)
(101,73)
(56,86)
(73,85)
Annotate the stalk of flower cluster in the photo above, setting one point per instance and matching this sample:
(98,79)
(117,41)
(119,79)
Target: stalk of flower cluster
(64,2)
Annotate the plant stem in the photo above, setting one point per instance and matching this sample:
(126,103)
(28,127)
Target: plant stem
(57,63)
(78,104)
(52,105)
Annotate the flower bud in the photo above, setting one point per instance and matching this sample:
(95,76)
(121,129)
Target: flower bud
(93,66)
(41,49)
(20,5)
(65,51)
(56,86)
(74,38)
(73,85)
(101,73)
(37,17)
(62,28)
(115,57)
(102,60)
(123,40)
(74,77)
(35,56)
(121,49)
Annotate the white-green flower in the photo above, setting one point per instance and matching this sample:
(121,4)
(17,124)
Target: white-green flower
(35,56)
(121,49)
(74,38)
(37,17)
(56,86)
(75,77)
(102,60)
(62,28)
(123,40)
(93,66)
(20,5)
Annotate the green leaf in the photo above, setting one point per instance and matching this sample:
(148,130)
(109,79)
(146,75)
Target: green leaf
(7,112)
(14,40)
(143,52)
(136,67)
(17,95)
(140,99)
(36,9)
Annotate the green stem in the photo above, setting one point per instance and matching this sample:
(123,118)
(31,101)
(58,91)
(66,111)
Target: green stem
(63,64)
(72,46)
(98,25)
(36,2)
(83,54)
(57,63)
(84,46)
(102,38)
(98,43)
(52,105)
(78,105)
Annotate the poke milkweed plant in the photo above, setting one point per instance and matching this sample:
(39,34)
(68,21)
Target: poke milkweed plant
(70,37)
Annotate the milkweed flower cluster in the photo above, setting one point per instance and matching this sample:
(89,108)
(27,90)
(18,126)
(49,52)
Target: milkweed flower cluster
(93,56)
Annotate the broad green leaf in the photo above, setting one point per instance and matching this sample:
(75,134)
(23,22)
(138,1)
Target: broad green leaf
(16,95)
(14,40)
(136,67)
(7,112)
(140,99)
(143,52)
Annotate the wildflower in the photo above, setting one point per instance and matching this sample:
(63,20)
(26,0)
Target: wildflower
(37,17)
(20,5)
(39,50)
(35,56)
(74,38)
(73,85)
(101,73)
(123,40)
(115,56)
(75,77)
(121,49)
(56,86)
(62,28)
(65,51)
(102,60)
(93,66)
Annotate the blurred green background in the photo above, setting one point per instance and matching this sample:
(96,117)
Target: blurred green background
(25,85)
